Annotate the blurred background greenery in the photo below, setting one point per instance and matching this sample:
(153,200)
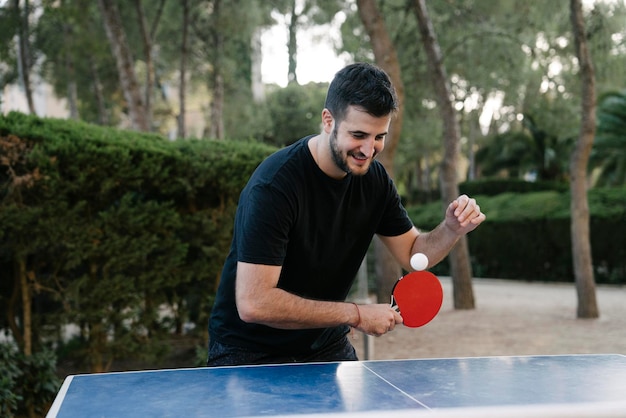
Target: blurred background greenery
(112,240)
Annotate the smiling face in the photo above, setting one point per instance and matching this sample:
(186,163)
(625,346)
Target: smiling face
(355,141)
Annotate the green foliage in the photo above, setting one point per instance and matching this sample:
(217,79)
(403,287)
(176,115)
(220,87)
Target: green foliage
(608,155)
(295,112)
(28,384)
(496,186)
(245,118)
(504,54)
(9,399)
(504,207)
(71,36)
(505,152)
(510,207)
(521,53)
(527,235)
(8,49)
(529,151)
(116,226)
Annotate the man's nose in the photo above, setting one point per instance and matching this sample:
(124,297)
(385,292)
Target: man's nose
(368,147)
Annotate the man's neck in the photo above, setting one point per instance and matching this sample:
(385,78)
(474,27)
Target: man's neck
(320,149)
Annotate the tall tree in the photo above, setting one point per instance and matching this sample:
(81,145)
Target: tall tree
(125,64)
(184,52)
(147,40)
(72,87)
(299,14)
(22,16)
(459,256)
(214,28)
(219,62)
(579,205)
(386,57)
(98,89)
(216,128)
(79,64)
(292,42)
(8,53)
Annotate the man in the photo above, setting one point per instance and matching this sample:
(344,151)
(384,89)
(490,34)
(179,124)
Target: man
(304,223)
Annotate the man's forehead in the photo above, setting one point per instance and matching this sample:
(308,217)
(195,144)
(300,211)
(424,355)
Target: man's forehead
(357,119)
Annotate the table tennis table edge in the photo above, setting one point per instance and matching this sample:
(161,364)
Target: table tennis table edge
(58,401)
(579,410)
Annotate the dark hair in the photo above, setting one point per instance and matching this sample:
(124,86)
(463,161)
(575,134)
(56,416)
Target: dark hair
(363,85)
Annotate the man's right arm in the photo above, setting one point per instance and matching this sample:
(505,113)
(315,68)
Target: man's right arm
(259,300)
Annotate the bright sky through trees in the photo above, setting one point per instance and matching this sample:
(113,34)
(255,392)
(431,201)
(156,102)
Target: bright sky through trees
(317,59)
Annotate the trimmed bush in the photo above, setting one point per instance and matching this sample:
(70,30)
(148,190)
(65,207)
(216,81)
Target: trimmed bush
(527,236)
(28,384)
(112,229)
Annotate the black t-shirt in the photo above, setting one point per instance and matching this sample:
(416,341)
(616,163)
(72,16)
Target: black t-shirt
(317,228)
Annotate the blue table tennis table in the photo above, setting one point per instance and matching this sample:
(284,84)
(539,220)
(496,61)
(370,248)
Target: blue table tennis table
(523,386)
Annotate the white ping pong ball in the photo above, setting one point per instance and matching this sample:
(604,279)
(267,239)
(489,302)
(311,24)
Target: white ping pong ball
(419,261)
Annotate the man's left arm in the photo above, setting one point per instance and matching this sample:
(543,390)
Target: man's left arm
(463,215)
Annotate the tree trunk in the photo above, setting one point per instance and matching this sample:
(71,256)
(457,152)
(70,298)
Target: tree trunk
(103,118)
(386,58)
(216,129)
(256,82)
(125,65)
(292,45)
(24,51)
(387,268)
(97,348)
(72,90)
(217,107)
(12,307)
(27,325)
(581,246)
(184,52)
(459,256)
(147,51)
(95,333)
(471,155)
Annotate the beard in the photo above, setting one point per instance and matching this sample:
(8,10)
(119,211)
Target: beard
(338,158)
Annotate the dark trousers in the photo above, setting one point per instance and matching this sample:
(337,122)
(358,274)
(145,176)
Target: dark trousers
(227,355)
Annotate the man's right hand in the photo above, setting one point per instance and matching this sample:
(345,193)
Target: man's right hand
(378,319)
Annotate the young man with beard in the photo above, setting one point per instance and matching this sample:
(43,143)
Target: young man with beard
(304,223)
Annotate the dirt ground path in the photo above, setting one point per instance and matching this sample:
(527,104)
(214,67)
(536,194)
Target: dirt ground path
(511,318)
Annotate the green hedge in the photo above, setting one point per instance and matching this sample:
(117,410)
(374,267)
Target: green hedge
(494,187)
(527,236)
(111,225)
(487,187)
(28,384)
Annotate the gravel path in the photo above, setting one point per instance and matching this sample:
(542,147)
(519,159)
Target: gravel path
(511,318)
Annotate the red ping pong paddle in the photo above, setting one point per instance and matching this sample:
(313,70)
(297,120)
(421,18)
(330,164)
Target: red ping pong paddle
(418,297)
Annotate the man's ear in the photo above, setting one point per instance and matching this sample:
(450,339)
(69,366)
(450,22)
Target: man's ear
(327,121)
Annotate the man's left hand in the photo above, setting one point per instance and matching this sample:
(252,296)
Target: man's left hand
(463,215)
